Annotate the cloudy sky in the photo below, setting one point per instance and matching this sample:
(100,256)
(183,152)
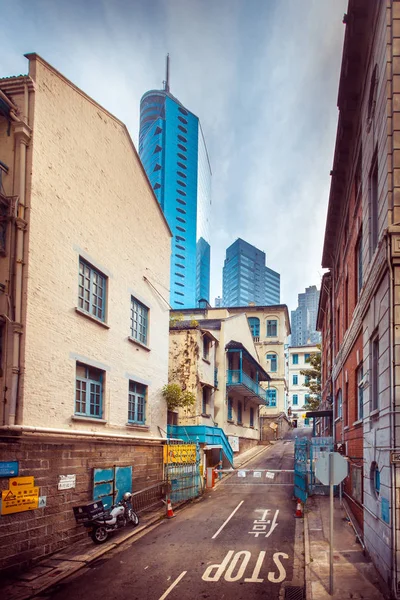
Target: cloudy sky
(262,75)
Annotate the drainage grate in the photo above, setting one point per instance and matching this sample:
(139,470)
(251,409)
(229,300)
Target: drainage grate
(294,593)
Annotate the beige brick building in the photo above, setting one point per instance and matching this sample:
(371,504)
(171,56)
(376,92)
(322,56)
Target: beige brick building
(84,277)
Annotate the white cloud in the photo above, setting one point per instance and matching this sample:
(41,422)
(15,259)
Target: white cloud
(262,75)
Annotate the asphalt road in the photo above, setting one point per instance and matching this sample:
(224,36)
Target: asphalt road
(237,542)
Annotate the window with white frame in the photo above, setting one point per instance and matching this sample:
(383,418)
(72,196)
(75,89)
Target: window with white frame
(272,396)
(88,391)
(92,290)
(374,347)
(139,321)
(137,403)
(339,404)
(360,392)
(272,327)
(251,416)
(273,362)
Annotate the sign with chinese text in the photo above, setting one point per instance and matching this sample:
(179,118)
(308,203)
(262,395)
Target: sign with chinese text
(180,453)
(66,482)
(19,499)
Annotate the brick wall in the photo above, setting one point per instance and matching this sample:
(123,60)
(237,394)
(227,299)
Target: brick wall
(28,536)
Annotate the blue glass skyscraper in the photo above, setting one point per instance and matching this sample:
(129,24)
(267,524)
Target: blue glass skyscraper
(246,279)
(174,155)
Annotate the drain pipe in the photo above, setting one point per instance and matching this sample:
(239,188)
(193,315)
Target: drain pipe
(22,138)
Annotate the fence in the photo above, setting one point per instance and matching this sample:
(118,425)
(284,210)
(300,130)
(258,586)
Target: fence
(182,470)
(149,497)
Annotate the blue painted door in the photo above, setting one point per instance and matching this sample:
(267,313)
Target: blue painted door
(111,483)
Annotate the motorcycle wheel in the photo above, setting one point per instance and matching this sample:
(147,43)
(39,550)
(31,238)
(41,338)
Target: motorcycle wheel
(133,518)
(99,534)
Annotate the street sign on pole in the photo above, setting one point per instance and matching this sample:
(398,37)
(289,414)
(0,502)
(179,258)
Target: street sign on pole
(339,468)
(331,469)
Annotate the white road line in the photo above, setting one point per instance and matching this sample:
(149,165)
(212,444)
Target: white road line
(228,519)
(171,587)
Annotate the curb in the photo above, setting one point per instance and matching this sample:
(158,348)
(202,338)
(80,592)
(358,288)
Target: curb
(307,558)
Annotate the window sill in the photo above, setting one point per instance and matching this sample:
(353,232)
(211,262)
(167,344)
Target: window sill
(91,317)
(239,423)
(230,421)
(346,428)
(206,360)
(338,419)
(359,422)
(138,426)
(88,419)
(374,413)
(137,343)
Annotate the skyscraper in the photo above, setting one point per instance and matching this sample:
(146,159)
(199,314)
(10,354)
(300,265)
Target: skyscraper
(174,155)
(304,319)
(246,279)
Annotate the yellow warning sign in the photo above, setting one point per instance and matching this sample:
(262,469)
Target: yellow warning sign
(22,495)
(19,501)
(19,483)
(180,453)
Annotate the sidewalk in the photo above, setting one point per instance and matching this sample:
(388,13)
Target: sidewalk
(50,571)
(354,574)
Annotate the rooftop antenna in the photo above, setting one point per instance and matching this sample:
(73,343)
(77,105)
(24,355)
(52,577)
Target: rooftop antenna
(166,82)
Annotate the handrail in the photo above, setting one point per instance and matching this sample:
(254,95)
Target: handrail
(238,376)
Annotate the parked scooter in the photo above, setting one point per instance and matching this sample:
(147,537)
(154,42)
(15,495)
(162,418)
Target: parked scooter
(100,522)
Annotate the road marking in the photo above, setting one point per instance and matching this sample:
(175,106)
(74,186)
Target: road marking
(171,587)
(228,519)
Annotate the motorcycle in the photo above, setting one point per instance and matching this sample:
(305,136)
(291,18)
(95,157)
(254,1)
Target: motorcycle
(100,522)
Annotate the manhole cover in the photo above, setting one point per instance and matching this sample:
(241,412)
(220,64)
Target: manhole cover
(294,593)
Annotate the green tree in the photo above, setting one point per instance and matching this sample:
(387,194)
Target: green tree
(176,397)
(313,380)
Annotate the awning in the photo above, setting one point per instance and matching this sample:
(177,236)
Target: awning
(316,414)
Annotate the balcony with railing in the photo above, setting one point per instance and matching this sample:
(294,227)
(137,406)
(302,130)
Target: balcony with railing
(244,374)
(245,386)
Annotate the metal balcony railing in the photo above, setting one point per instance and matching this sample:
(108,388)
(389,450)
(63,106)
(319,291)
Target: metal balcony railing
(239,377)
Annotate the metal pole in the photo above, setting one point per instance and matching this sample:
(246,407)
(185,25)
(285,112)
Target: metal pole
(331,455)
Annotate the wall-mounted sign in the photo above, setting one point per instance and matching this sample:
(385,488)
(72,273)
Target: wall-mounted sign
(21,483)
(395,456)
(180,453)
(9,469)
(66,482)
(42,502)
(21,496)
(234,442)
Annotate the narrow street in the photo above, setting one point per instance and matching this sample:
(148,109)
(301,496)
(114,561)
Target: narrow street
(237,542)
